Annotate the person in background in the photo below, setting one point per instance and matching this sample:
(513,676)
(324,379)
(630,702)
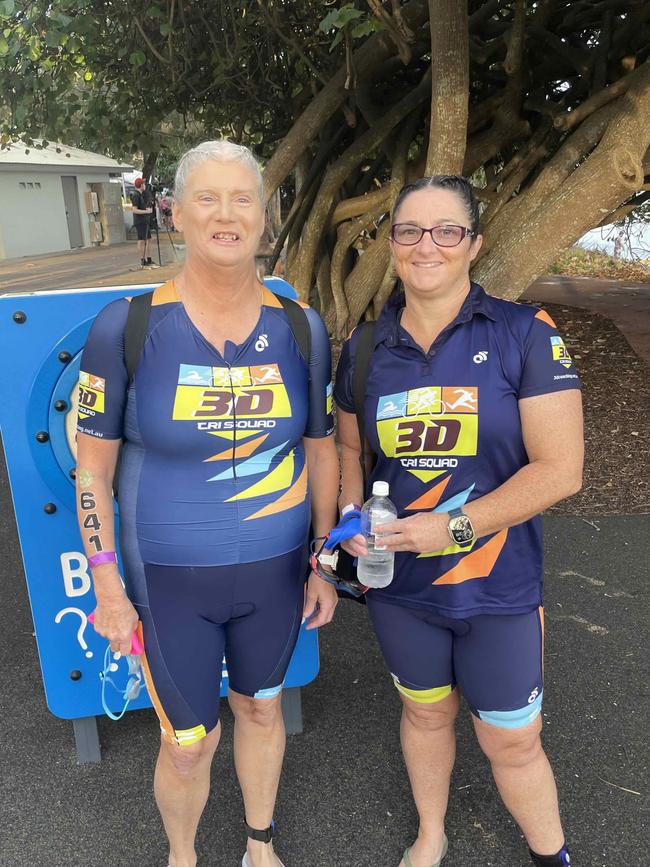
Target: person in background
(166,209)
(142,202)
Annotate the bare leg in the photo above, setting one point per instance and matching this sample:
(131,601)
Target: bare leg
(181,786)
(525,782)
(142,250)
(429,747)
(259,751)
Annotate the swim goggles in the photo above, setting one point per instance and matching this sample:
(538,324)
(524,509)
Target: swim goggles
(136,678)
(133,685)
(347,527)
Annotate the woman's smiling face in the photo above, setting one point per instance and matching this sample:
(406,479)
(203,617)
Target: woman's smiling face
(220,214)
(425,267)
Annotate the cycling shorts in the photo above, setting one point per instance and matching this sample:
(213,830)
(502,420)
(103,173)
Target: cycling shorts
(249,613)
(494,659)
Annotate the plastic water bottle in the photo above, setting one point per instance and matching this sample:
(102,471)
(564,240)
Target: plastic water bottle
(376,570)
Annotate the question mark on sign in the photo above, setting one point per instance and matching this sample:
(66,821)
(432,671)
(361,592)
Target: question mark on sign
(82,626)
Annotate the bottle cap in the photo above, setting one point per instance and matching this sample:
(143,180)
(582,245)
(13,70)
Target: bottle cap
(380,489)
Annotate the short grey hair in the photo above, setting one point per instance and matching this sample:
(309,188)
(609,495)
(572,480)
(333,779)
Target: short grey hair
(223,151)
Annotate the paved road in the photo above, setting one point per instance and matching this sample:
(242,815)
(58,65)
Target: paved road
(90,266)
(344,800)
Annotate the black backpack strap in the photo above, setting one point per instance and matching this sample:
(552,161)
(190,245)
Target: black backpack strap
(363,353)
(135,331)
(135,334)
(299,325)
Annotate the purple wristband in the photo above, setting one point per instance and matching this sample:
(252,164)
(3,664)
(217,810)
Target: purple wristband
(102,557)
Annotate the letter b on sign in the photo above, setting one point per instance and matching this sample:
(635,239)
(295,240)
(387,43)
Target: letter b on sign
(74,567)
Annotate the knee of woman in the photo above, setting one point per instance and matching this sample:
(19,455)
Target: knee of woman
(512,747)
(430,716)
(186,759)
(264,712)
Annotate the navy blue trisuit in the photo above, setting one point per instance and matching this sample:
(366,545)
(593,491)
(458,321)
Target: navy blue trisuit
(214,501)
(445,428)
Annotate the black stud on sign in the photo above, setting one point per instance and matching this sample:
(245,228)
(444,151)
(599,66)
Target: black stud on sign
(73,473)
(19,317)
(75,674)
(49,508)
(60,405)
(42,436)
(64,357)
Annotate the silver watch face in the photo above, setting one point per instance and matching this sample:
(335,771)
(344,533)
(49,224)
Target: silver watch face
(461,530)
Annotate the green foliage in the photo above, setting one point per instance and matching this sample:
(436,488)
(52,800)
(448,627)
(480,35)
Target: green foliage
(339,19)
(109,75)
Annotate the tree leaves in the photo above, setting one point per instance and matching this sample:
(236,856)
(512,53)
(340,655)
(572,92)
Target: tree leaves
(138,58)
(338,18)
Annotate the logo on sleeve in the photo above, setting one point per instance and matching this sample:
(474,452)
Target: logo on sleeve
(92,390)
(329,399)
(560,352)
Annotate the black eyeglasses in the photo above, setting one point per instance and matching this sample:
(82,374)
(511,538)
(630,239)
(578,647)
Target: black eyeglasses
(446,235)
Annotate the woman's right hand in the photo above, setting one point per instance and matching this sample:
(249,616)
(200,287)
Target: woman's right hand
(116,620)
(356,546)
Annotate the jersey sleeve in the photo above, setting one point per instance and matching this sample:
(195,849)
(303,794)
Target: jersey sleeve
(547,365)
(343,388)
(320,419)
(103,379)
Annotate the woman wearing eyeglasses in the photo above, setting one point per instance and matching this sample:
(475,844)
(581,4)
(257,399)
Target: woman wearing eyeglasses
(473,415)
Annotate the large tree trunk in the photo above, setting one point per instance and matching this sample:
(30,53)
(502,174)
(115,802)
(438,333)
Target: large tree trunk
(323,206)
(555,145)
(449,86)
(611,174)
(377,49)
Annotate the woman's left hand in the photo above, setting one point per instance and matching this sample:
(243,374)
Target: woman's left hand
(320,601)
(421,533)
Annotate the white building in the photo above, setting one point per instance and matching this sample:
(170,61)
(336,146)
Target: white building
(58,198)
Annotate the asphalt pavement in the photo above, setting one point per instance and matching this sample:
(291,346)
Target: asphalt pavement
(115,265)
(344,799)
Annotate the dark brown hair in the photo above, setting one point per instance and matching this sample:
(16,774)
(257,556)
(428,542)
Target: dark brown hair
(455,184)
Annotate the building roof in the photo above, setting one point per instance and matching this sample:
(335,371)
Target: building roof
(57,155)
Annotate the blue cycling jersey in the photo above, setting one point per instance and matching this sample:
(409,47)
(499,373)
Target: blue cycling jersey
(213,466)
(445,429)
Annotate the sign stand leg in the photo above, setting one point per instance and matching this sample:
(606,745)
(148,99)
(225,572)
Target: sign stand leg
(292,710)
(87,739)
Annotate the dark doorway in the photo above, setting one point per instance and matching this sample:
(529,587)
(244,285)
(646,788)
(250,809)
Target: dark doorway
(71,200)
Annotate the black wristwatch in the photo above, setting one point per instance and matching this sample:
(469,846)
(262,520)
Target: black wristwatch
(460,528)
